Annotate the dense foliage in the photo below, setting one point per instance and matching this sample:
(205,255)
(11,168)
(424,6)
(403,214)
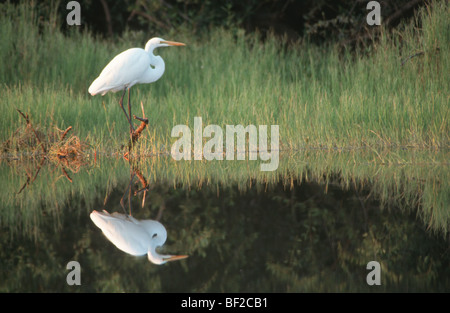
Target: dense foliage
(321,21)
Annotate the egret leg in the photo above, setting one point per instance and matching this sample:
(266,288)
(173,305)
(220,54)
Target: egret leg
(127,193)
(123,109)
(129,114)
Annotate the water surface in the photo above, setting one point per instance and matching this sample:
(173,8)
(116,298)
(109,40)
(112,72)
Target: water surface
(311,226)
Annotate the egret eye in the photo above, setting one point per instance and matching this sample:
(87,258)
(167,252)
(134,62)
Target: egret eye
(154,235)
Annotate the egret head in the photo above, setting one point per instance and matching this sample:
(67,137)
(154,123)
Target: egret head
(159,259)
(158,238)
(157,42)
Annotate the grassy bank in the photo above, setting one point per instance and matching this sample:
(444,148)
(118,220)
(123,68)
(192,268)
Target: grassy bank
(318,96)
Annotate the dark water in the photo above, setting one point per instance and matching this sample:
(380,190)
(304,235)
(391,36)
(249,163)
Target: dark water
(312,231)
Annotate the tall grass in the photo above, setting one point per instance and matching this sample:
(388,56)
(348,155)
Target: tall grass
(319,97)
(407,182)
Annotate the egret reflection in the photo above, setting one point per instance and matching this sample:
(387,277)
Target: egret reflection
(133,236)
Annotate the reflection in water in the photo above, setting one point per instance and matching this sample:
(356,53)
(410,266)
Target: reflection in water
(136,237)
(312,226)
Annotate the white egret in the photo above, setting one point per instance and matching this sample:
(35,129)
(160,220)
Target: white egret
(135,237)
(131,67)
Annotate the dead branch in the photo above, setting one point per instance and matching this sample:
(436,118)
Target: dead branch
(65,133)
(65,173)
(137,133)
(31,127)
(29,179)
(143,181)
(144,184)
(25,184)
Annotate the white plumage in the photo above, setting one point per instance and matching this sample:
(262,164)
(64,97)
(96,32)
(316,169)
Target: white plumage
(135,237)
(131,67)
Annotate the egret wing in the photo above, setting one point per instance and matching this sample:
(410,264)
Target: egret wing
(122,72)
(122,232)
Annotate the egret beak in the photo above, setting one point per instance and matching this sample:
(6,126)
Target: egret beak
(173,43)
(175,257)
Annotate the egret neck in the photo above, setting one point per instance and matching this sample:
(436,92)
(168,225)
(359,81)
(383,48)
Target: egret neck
(157,66)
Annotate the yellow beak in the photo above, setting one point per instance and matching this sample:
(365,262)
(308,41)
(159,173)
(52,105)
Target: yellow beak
(175,257)
(173,43)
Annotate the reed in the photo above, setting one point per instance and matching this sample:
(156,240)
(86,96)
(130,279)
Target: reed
(393,95)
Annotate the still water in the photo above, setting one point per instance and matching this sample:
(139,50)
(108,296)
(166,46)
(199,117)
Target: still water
(311,226)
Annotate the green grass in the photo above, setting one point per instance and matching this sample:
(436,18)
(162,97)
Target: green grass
(340,116)
(412,182)
(318,96)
